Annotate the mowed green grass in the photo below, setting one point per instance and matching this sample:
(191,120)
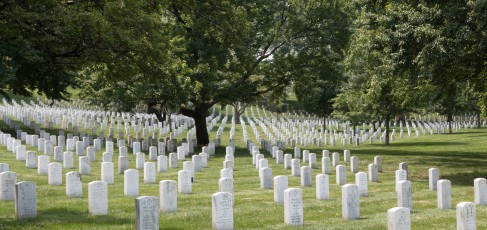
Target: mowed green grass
(461,157)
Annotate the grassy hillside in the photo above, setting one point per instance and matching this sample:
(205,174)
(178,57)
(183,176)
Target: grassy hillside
(460,157)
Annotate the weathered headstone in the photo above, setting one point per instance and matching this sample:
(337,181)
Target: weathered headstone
(222,210)
(162,163)
(354,164)
(480,191)
(306,178)
(204,159)
(68,160)
(184,182)
(312,160)
(146,213)
(58,154)
(404,166)
(346,155)
(293,207)
(350,202)
(173,160)
(444,194)
(226,184)
(122,151)
(80,148)
(168,195)
(84,165)
(43,165)
(149,172)
(107,157)
(325,153)
(405,194)
(398,218)
(466,216)
(325,165)
(73,185)
(7,185)
(48,148)
(107,172)
(25,200)
(20,153)
(131,182)
(434,176)
(322,187)
(31,160)
(265,178)
(97,198)
(197,163)
(136,147)
(341,175)
(361,182)
(231,164)
(123,164)
(287,161)
(279,157)
(188,165)
(139,160)
(305,156)
(295,167)
(90,152)
(378,162)
(373,173)
(335,159)
(55,175)
(181,153)
(280,184)
(226,173)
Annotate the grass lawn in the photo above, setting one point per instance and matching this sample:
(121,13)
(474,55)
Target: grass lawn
(460,157)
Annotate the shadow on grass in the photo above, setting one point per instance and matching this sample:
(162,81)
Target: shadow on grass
(67,217)
(428,143)
(464,179)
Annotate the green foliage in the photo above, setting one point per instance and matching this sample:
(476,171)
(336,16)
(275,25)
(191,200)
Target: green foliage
(43,44)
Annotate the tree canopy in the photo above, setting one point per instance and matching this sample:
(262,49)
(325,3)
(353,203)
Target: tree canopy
(357,60)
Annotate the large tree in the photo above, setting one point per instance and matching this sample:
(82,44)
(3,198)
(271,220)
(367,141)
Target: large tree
(238,50)
(44,43)
(139,64)
(379,63)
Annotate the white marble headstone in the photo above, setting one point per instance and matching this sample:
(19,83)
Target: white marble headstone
(25,200)
(222,210)
(98,198)
(146,213)
(131,182)
(293,206)
(168,195)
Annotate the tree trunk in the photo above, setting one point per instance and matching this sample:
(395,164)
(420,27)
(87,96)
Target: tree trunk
(324,123)
(237,114)
(450,121)
(388,118)
(159,116)
(200,123)
(478,118)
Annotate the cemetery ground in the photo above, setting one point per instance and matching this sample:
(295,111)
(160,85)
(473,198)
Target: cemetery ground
(460,157)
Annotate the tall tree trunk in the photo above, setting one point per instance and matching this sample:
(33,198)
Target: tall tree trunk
(478,117)
(324,123)
(388,119)
(200,123)
(159,116)
(236,108)
(450,121)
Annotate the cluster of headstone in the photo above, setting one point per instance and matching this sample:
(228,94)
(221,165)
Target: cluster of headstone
(290,130)
(398,217)
(52,154)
